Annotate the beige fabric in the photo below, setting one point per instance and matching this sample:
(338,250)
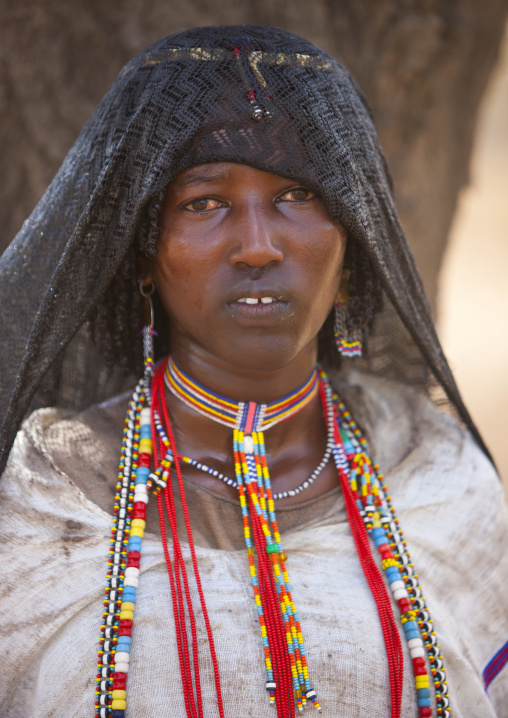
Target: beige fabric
(54,543)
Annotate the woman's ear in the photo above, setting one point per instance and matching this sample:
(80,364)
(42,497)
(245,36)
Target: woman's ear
(145,273)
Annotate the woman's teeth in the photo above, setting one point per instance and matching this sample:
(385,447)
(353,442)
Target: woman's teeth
(255,300)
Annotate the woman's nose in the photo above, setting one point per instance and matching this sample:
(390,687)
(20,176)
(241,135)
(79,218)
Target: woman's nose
(257,241)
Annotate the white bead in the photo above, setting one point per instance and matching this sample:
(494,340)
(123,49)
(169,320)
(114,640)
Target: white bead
(121,667)
(141,489)
(131,571)
(145,417)
(400,593)
(248,444)
(140,497)
(121,657)
(131,581)
(415,643)
(396,585)
(417,652)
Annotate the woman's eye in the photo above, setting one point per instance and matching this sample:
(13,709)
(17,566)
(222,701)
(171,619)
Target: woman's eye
(299,194)
(203,204)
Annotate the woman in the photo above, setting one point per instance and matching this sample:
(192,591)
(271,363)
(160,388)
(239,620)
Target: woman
(233,176)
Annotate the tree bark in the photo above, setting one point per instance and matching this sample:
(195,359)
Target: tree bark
(422,64)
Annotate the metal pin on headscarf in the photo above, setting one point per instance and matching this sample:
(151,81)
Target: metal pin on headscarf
(243,53)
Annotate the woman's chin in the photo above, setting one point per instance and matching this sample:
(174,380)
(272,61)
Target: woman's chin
(270,356)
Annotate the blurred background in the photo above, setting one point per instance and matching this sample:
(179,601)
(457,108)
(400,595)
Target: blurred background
(473,283)
(435,73)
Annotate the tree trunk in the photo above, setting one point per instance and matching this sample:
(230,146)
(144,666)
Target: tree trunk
(423,66)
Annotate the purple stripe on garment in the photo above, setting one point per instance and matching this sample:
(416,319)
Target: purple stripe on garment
(495,665)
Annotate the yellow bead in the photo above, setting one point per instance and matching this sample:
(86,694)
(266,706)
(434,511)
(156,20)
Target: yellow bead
(126,615)
(119,705)
(138,524)
(119,695)
(137,532)
(386,562)
(127,606)
(145,446)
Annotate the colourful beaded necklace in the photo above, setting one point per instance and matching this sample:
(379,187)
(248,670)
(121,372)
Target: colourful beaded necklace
(202,401)
(230,413)
(370,513)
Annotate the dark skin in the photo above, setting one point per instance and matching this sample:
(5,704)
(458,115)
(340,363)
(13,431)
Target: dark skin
(231,233)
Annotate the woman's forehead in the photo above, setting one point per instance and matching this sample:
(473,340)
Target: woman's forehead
(213,172)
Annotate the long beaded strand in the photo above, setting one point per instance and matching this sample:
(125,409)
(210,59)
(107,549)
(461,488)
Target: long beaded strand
(254,482)
(376,510)
(125,552)
(190,682)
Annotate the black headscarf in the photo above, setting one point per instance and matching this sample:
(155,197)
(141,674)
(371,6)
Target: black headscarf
(254,95)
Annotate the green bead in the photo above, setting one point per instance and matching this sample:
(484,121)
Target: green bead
(272,548)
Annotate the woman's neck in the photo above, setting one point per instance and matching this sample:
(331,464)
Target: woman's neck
(237,382)
(294,446)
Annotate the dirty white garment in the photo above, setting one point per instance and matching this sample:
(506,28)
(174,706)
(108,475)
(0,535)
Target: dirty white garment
(55,541)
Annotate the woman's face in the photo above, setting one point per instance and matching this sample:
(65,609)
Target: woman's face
(248,266)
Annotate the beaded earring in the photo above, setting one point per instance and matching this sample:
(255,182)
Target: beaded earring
(348,341)
(148,330)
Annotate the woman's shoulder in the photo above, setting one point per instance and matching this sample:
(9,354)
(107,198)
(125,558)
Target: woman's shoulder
(401,422)
(80,447)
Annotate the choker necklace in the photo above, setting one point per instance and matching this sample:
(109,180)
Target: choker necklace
(261,417)
(212,406)
(148,443)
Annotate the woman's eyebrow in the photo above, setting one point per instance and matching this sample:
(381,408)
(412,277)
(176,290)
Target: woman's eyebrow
(193,179)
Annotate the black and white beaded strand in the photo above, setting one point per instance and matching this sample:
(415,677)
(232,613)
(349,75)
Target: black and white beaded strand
(231,482)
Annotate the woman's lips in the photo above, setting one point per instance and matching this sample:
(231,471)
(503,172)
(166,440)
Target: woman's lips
(257,307)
